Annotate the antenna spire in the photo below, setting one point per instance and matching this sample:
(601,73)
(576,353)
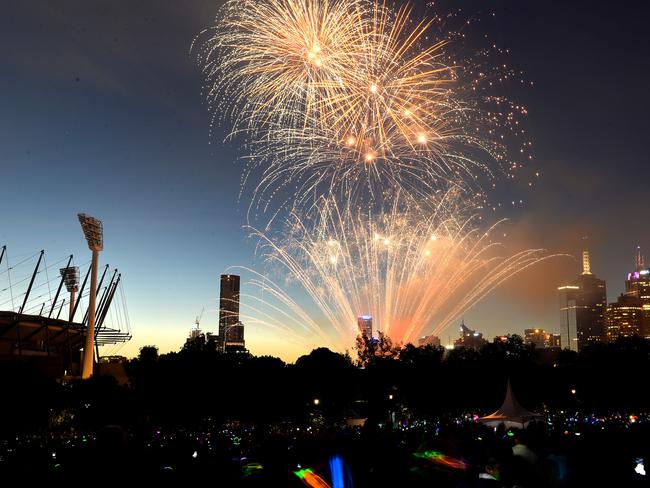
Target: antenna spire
(586,265)
(638,260)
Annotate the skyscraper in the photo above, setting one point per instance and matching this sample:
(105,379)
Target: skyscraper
(638,281)
(624,318)
(365,325)
(582,308)
(638,284)
(231,330)
(568,316)
(630,315)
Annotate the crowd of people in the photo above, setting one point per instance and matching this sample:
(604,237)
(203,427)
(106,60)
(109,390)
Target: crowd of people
(408,416)
(567,449)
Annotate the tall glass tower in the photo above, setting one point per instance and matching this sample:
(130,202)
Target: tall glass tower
(582,309)
(231,330)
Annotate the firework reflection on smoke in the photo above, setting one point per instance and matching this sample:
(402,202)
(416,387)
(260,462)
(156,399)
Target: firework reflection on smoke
(414,267)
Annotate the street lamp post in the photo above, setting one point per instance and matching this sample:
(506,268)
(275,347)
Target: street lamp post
(94,233)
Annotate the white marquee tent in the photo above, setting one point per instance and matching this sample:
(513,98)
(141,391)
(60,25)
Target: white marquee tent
(511,414)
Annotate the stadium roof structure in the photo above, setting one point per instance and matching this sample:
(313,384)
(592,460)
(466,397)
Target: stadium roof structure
(42,325)
(23,335)
(34,335)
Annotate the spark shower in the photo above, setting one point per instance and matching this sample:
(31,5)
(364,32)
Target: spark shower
(366,143)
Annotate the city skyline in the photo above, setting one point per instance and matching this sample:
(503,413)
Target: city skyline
(136,152)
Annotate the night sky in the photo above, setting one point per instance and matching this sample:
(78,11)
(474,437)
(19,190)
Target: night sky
(101,112)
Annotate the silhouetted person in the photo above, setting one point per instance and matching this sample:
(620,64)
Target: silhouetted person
(524,462)
(491,475)
(522,450)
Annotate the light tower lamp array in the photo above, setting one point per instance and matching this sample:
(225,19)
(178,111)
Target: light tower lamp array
(94,233)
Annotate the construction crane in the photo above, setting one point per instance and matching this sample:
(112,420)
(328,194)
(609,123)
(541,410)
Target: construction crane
(199,317)
(196,331)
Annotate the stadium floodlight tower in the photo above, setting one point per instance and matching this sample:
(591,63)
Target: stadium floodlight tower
(70,276)
(94,233)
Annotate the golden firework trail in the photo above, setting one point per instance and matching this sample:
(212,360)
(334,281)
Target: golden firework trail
(357,119)
(338,95)
(277,63)
(413,267)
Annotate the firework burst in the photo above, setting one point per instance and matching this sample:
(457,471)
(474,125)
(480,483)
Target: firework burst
(272,64)
(413,267)
(352,96)
(358,120)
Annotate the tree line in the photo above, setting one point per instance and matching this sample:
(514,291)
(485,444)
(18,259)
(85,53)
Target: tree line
(200,383)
